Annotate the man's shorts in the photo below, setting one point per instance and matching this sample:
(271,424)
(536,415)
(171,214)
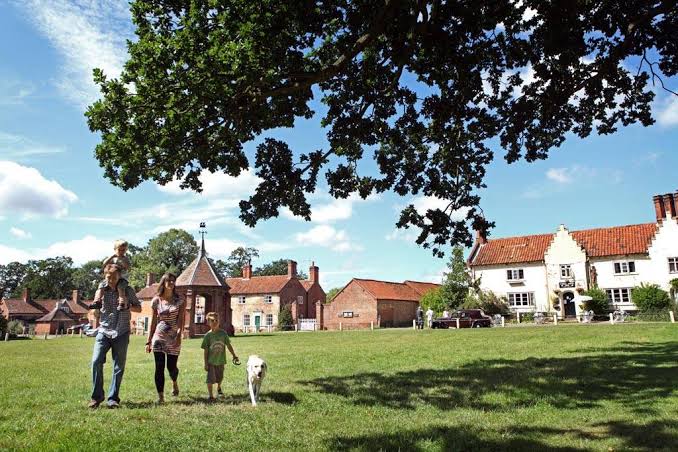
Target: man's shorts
(215,374)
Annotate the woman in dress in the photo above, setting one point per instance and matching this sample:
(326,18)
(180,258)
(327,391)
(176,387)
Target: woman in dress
(164,336)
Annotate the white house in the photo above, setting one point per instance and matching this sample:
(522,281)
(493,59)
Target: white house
(544,272)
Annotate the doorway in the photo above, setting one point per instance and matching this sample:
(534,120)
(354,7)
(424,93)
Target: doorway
(570,310)
(257,321)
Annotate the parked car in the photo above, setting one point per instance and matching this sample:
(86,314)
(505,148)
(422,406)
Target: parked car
(468,318)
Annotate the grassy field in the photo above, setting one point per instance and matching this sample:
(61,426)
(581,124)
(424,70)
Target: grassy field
(566,388)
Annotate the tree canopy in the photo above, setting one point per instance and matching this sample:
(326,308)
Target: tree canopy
(427,88)
(11,277)
(277,267)
(238,258)
(169,251)
(457,282)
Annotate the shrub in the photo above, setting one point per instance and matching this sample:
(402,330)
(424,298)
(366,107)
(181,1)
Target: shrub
(285,321)
(652,316)
(434,299)
(15,327)
(527,317)
(599,302)
(650,297)
(488,301)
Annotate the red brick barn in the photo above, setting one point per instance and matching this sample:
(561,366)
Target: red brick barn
(29,311)
(365,302)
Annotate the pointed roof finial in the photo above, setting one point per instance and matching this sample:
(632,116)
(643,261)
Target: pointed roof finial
(202,232)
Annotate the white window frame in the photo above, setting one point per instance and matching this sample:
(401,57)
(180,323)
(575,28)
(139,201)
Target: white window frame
(515,274)
(242,299)
(269,319)
(246,318)
(199,317)
(347,314)
(673,264)
(300,299)
(268,299)
(615,295)
(565,271)
(625,267)
(520,299)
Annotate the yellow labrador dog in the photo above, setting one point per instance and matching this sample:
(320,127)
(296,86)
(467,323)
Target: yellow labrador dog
(256,372)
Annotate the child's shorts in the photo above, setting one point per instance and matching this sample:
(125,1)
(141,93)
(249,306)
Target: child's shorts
(215,374)
(122,284)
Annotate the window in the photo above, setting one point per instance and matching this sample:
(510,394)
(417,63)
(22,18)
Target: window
(618,296)
(515,274)
(624,267)
(566,271)
(347,314)
(241,300)
(519,299)
(300,299)
(199,309)
(246,320)
(269,319)
(268,299)
(673,264)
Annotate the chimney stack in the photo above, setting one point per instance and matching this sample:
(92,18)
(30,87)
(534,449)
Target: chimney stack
(27,294)
(665,205)
(247,271)
(481,237)
(291,269)
(75,295)
(150,279)
(313,273)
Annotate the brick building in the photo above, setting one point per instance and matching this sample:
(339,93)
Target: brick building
(59,314)
(365,302)
(256,301)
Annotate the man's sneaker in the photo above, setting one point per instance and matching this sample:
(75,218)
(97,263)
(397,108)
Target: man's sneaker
(112,404)
(93,404)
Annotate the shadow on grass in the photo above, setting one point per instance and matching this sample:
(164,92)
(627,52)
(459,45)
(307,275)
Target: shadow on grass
(284,398)
(633,375)
(651,436)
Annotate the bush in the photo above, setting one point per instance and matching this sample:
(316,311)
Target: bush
(15,327)
(526,317)
(599,302)
(434,299)
(285,321)
(652,316)
(488,301)
(650,298)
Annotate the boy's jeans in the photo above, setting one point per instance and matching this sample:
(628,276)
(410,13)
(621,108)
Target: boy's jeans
(118,347)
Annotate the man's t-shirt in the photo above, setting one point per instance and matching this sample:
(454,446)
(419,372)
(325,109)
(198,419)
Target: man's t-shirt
(215,342)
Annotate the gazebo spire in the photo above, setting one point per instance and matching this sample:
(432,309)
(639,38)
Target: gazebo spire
(202,232)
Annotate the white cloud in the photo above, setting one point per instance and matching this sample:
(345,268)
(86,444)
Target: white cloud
(17,147)
(335,210)
(88,34)
(407,235)
(560,175)
(219,185)
(19,233)
(667,111)
(80,250)
(14,92)
(326,236)
(423,204)
(9,254)
(25,191)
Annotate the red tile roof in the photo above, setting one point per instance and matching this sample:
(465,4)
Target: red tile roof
(618,240)
(200,272)
(18,306)
(422,287)
(385,290)
(612,241)
(148,292)
(306,283)
(257,284)
(55,314)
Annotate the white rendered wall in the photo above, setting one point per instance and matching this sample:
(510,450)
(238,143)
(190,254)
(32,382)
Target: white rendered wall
(534,280)
(664,245)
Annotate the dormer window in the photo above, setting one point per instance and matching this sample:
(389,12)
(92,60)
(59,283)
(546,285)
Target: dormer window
(515,275)
(565,271)
(621,268)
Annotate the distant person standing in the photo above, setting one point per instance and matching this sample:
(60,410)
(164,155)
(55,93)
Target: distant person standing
(446,314)
(420,318)
(429,317)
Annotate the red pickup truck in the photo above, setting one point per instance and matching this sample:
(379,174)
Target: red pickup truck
(468,318)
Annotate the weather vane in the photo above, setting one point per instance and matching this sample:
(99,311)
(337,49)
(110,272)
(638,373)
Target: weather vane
(202,230)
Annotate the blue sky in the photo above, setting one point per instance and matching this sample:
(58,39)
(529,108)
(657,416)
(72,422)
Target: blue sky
(55,201)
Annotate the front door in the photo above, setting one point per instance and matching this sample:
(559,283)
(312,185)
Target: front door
(568,302)
(257,322)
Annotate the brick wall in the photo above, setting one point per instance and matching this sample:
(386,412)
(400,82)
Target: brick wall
(315,294)
(396,313)
(353,299)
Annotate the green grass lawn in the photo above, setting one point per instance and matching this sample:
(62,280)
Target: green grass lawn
(569,388)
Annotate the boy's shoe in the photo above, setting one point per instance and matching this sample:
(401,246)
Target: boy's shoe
(112,404)
(95,305)
(93,404)
(211,400)
(220,392)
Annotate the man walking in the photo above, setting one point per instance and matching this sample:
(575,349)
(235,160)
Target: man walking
(119,321)
(429,317)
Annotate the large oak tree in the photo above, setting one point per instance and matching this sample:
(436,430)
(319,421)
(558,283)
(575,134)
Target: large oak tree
(421,86)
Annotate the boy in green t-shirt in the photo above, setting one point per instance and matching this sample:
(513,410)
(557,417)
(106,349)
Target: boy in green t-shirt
(215,343)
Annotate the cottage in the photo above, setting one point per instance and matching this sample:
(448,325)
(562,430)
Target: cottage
(52,315)
(366,302)
(545,272)
(256,301)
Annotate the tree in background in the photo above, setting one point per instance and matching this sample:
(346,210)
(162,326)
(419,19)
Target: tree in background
(277,267)
(285,320)
(87,278)
(11,277)
(48,278)
(239,257)
(486,300)
(456,282)
(650,298)
(332,293)
(434,299)
(599,302)
(427,87)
